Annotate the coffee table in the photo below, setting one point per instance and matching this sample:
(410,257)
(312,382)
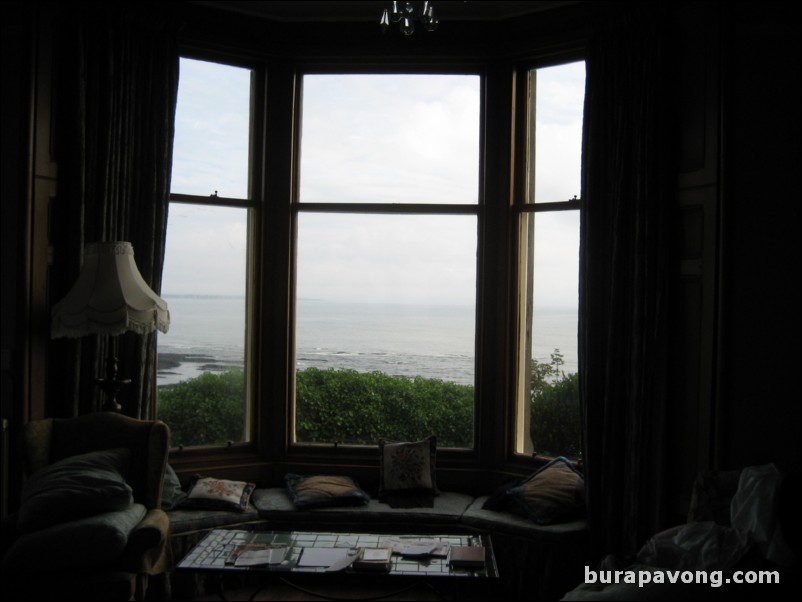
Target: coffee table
(214,554)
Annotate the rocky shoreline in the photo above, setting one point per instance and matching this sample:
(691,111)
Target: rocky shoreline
(168,363)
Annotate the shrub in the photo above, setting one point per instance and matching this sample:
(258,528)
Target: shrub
(345,406)
(206,410)
(555,425)
(349,407)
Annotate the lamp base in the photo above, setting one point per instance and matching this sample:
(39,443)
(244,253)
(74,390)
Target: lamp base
(111,385)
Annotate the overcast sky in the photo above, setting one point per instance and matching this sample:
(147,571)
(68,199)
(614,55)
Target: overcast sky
(373,138)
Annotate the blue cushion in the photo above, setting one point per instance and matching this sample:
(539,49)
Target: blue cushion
(324,491)
(95,541)
(75,487)
(172,494)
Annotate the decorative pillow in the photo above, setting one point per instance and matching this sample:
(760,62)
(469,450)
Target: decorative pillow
(74,488)
(93,541)
(553,493)
(408,469)
(218,494)
(323,491)
(172,494)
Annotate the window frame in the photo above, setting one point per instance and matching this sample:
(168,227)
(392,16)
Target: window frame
(302,449)
(253,204)
(521,208)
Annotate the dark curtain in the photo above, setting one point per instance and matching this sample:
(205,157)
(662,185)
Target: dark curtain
(116,110)
(624,275)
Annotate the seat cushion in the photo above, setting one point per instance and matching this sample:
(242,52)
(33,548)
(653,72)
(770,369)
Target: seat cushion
(477,516)
(188,520)
(275,505)
(94,541)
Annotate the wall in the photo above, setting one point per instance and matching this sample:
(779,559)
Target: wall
(759,408)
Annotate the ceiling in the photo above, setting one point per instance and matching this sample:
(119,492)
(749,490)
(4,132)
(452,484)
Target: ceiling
(372,10)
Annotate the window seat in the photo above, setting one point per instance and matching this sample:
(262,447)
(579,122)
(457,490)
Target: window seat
(536,562)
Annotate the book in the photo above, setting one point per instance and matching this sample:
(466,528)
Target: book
(467,557)
(373,559)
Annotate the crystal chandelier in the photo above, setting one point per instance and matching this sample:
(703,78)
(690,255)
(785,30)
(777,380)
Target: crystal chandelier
(406,13)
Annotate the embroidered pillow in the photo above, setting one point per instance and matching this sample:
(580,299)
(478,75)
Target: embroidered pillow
(218,494)
(324,491)
(408,469)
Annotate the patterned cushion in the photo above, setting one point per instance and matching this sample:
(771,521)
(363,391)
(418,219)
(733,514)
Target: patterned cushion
(324,491)
(408,470)
(554,493)
(218,494)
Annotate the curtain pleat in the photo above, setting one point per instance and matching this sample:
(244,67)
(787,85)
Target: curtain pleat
(115,157)
(624,275)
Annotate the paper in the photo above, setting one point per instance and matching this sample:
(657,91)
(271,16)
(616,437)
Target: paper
(325,557)
(257,557)
(415,549)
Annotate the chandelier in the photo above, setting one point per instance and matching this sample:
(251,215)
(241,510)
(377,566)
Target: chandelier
(406,13)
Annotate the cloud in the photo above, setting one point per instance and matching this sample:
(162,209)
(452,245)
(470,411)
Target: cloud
(368,138)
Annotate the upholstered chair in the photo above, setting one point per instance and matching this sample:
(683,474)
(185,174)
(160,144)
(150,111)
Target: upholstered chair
(76,534)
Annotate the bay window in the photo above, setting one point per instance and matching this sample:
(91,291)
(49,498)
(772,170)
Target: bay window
(376,299)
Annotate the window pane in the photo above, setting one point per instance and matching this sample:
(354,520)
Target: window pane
(385,328)
(211,148)
(548,401)
(555,157)
(201,377)
(390,139)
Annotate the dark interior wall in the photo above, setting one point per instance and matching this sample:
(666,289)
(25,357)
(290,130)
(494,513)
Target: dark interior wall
(16,97)
(696,46)
(759,398)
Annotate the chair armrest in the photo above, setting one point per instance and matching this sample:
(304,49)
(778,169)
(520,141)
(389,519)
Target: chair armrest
(148,549)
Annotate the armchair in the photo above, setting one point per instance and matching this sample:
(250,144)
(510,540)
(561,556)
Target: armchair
(75,559)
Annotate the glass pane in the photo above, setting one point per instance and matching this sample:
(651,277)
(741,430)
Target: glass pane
(555,160)
(390,139)
(385,328)
(548,419)
(201,375)
(212,139)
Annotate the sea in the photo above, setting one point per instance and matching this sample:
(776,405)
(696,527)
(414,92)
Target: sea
(207,333)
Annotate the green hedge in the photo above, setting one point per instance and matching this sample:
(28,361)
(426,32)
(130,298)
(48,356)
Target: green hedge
(206,410)
(555,425)
(349,407)
(346,406)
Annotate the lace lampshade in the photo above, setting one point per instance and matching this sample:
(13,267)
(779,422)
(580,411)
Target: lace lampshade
(110,297)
